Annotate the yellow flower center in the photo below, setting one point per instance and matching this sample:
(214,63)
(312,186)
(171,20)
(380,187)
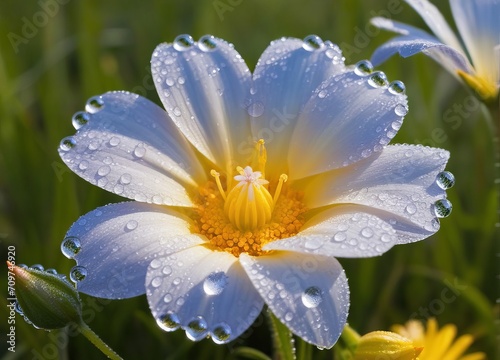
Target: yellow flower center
(246,217)
(485,88)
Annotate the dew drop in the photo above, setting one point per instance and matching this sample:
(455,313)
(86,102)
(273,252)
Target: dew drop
(445,180)
(103,170)
(215,283)
(196,329)
(125,179)
(411,209)
(118,189)
(155,264)
(38,267)
(207,43)
(340,236)
(181,80)
(131,225)
(94,104)
(401,110)
(378,79)
(156,282)
(167,270)
(322,94)
(140,150)
(71,246)
(397,87)
(442,208)
(167,298)
(168,322)
(183,42)
(255,109)
(93,145)
(77,273)
(177,111)
(67,143)
(363,68)
(288,316)
(83,165)
(312,297)
(367,232)
(312,42)
(114,141)
(221,333)
(170,81)
(80,119)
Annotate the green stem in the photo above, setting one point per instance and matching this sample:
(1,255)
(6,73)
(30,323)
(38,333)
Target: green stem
(350,337)
(282,339)
(98,343)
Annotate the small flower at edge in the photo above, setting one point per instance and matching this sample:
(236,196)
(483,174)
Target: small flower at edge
(47,301)
(380,345)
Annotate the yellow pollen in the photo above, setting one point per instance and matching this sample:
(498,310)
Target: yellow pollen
(246,217)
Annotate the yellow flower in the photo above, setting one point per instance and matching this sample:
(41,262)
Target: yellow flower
(380,345)
(438,343)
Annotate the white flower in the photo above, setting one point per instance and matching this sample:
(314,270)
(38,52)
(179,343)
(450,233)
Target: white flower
(478,22)
(248,186)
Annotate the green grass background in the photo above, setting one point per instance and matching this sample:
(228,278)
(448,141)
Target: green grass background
(89,47)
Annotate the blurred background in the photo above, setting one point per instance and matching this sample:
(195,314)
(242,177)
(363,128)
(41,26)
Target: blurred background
(54,54)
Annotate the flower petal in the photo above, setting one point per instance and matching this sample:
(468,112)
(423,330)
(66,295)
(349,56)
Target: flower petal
(349,117)
(436,22)
(114,245)
(309,294)
(205,292)
(384,200)
(479,26)
(203,87)
(284,79)
(127,145)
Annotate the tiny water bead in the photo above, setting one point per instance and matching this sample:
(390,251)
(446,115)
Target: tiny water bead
(445,180)
(363,68)
(255,109)
(71,246)
(78,273)
(140,150)
(80,119)
(131,225)
(378,79)
(114,141)
(38,267)
(169,322)
(312,297)
(221,333)
(400,110)
(183,42)
(442,208)
(94,104)
(197,328)
(215,283)
(397,87)
(67,143)
(312,42)
(207,43)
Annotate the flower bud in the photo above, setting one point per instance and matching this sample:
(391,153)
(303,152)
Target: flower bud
(47,300)
(385,345)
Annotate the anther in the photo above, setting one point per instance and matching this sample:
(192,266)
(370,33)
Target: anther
(283,179)
(216,175)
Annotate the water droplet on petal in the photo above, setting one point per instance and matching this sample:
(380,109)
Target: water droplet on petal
(167,270)
(177,111)
(170,81)
(168,322)
(83,165)
(322,94)
(114,141)
(340,236)
(167,298)
(312,297)
(207,43)
(77,273)
(94,104)
(367,232)
(288,316)
(221,333)
(255,109)
(378,79)
(196,329)
(312,42)
(442,208)
(445,180)
(126,178)
(140,150)
(103,170)
(401,110)
(67,143)
(397,87)
(80,119)
(71,246)
(183,42)
(363,68)
(156,282)
(131,225)
(215,283)
(411,209)
(38,267)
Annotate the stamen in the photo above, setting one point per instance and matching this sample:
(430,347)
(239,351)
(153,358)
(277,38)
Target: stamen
(216,175)
(259,158)
(283,179)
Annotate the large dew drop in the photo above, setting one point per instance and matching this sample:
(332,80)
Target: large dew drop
(71,246)
(78,273)
(94,104)
(442,208)
(196,329)
(378,80)
(445,180)
(312,297)
(67,143)
(312,42)
(168,322)
(215,283)
(255,109)
(221,333)
(183,42)
(397,87)
(207,43)
(363,68)
(80,119)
